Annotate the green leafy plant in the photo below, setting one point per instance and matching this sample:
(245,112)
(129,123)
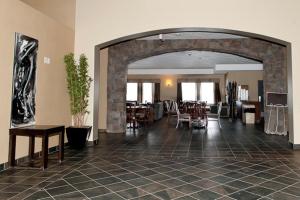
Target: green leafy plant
(79,83)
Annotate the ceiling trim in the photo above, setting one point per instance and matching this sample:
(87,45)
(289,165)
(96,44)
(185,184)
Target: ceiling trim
(190,29)
(239,67)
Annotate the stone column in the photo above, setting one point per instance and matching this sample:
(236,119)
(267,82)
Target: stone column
(275,80)
(116,93)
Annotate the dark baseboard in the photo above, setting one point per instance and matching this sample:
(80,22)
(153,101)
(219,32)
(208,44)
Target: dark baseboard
(294,146)
(4,166)
(105,131)
(92,143)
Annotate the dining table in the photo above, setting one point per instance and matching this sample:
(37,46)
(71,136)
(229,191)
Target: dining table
(136,112)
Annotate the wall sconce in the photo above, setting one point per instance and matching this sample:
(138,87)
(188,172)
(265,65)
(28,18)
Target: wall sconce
(168,82)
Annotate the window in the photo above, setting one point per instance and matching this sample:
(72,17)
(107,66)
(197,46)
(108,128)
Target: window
(132,92)
(147,92)
(207,92)
(188,91)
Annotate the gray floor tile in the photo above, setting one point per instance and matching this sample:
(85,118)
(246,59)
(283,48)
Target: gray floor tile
(168,194)
(132,193)
(243,195)
(259,190)
(60,190)
(206,195)
(95,191)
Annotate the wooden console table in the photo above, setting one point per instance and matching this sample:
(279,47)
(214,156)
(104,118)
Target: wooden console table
(43,131)
(239,105)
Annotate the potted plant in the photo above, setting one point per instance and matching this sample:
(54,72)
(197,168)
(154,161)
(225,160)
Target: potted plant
(79,83)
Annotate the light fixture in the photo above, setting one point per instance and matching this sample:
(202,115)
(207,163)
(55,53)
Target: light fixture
(168,82)
(160,36)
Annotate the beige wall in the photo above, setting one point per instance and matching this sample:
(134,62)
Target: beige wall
(61,10)
(99,21)
(249,78)
(55,40)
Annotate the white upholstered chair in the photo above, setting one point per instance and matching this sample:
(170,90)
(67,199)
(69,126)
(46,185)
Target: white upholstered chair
(215,116)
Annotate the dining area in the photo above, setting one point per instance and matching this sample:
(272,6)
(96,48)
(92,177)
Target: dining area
(191,114)
(196,114)
(138,115)
(190,103)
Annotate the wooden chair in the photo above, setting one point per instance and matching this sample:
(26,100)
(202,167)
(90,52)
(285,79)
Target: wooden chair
(130,116)
(198,116)
(143,116)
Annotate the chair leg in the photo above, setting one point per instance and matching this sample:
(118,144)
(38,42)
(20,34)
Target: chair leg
(177,123)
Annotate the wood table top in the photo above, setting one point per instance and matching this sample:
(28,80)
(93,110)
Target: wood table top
(39,127)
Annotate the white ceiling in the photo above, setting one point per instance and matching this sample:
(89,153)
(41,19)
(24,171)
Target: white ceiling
(193,62)
(192,35)
(189,60)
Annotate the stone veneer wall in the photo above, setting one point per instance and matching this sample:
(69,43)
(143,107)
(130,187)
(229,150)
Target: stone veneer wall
(272,55)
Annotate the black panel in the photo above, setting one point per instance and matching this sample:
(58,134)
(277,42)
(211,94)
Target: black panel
(24,75)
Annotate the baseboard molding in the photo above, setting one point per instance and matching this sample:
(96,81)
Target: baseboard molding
(4,166)
(294,146)
(92,143)
(105,131)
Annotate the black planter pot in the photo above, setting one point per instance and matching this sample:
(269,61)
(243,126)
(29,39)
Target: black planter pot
(77,136)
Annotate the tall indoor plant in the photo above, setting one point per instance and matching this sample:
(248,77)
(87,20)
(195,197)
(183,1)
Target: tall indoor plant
(79,83)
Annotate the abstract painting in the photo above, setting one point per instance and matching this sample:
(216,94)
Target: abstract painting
(24,75)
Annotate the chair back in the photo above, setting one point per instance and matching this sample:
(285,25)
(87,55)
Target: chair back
(176,108)
(167,105)
(129,112)
(173,105)
(219,108)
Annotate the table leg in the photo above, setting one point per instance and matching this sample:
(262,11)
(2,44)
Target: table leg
(134,124)
(61,146)
(168,115)
(12,150)
(45,151)
(31,147)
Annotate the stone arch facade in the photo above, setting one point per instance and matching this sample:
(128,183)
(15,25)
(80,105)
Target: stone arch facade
(272,55)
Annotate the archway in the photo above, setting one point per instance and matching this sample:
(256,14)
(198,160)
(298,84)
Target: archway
(274,53)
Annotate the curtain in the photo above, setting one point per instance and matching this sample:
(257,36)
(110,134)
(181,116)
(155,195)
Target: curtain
(156,92)
(198,91)
(179,92)
(217,93)
(140,92)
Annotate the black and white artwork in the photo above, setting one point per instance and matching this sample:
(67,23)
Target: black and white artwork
(24,75)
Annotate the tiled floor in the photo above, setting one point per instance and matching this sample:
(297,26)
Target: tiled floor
(160,162)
